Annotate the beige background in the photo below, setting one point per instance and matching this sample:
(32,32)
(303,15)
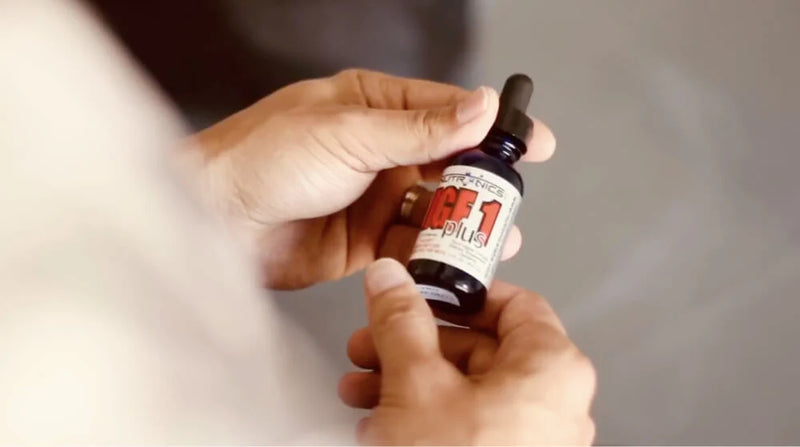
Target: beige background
(666,231)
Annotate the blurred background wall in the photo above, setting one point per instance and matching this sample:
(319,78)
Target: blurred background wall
(666,230)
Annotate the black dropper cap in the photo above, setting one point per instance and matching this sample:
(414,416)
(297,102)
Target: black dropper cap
(514,99)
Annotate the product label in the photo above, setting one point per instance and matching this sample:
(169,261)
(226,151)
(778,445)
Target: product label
(467,222)
(438,294)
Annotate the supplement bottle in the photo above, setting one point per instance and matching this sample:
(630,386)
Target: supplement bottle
(472,210)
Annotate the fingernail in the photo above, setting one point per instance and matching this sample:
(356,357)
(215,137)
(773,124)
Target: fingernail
(385,274)
(472,106)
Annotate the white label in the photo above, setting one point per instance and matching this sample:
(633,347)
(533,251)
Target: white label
(438,294)
(468,220)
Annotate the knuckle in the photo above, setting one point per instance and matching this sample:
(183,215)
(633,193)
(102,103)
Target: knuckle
(588,431)
(390,93)
(425,124)
(584,369)
(419,373)
(352,83)
(429,380)
(579,375)
(358,341)
(483,356)
(564,359)
(535,297)
(396,312)
(348,74)
(347,119)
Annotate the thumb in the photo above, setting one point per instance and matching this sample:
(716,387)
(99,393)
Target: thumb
(401,323)
(391,138)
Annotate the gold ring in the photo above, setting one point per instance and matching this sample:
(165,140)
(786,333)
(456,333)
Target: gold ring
(407,206)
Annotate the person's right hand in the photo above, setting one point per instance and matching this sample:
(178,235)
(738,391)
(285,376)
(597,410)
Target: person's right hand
(512,377)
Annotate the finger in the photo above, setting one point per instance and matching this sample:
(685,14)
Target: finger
(507,304)
(401,323)
(468,350)
(399,243)
(391,138)
(512,243)
(529,331)
(542,144)
(364,435)
(361,349)
(360,389)
(541,147)
(383,91)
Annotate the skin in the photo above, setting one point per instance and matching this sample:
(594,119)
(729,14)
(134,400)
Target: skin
(510,375)
(312,177)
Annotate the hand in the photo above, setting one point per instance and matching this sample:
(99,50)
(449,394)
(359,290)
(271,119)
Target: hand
(512,377)
(314,173)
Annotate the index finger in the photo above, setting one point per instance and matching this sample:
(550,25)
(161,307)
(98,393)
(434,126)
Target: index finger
(507,306)
(528,330)
(383,91)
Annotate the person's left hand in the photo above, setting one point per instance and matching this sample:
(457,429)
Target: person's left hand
(314,173)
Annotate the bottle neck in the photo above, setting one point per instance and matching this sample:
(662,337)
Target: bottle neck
(503,146)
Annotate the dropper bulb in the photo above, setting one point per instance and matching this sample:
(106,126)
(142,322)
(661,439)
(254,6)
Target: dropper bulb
(517,92)
(511,116)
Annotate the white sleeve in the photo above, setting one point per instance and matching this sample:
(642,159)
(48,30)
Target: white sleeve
(126,314)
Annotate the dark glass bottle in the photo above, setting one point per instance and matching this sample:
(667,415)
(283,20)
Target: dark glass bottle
(473,209)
